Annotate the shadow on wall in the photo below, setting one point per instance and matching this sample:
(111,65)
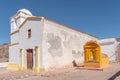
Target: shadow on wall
(76,55)
(75,64)
(114,76)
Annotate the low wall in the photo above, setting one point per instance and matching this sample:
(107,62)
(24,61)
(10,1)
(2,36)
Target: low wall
(3,64)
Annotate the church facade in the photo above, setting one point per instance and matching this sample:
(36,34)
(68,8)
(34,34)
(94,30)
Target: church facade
(38,43)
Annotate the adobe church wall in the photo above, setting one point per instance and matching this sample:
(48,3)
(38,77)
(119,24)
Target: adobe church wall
(62,46)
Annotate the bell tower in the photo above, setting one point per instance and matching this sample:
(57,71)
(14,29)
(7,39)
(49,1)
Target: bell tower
(18,19)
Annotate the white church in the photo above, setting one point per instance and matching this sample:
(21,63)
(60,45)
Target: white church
(38,43)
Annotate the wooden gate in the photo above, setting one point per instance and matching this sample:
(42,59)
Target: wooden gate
(29,58)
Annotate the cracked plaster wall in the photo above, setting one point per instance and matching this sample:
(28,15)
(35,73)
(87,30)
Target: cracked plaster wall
(62,45)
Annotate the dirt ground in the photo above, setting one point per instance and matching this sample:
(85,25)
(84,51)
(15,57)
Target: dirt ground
(112,72)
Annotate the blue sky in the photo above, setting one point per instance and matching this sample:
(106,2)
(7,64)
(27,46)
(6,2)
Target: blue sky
(100,18)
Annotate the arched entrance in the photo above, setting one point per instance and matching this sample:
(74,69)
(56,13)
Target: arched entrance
(93,56)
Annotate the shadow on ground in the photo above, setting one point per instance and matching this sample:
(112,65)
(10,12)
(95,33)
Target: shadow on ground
(114,76)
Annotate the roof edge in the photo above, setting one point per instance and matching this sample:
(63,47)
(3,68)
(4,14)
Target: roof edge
(40,17)
(71,28)
(30,18)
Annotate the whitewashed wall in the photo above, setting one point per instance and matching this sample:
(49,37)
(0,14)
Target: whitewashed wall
(62,45)
(36,34)
(35,40)
(108,46)
(14,54)
(16,21)
(15,38)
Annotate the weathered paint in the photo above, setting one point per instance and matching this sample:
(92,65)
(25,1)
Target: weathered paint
(62,45)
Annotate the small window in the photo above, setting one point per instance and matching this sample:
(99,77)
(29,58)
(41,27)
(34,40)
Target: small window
(29,33)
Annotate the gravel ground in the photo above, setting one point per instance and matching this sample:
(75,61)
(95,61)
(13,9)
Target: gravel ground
(112,72)
(109,73)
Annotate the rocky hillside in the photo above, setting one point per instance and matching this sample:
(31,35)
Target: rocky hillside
(4,52)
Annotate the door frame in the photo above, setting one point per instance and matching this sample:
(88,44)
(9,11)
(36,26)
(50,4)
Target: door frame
(27,53)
